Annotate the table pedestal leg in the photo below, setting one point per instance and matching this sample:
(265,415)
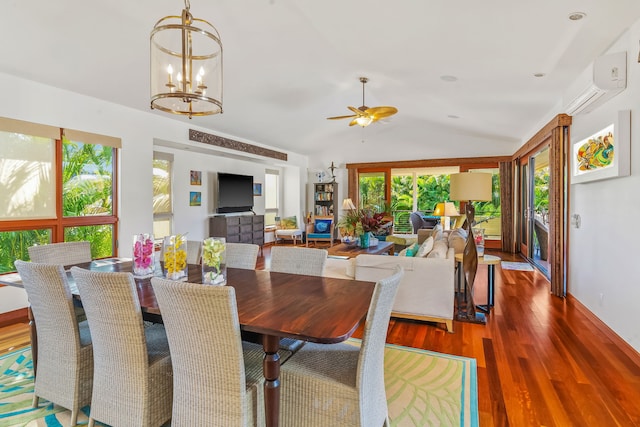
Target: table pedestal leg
(271,369)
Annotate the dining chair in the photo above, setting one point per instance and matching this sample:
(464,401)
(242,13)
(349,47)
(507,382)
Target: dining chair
(194,251)
(132,380)
(217,378)
(64,253)
(65,353)
(242,255)
(342,384)
(296,260)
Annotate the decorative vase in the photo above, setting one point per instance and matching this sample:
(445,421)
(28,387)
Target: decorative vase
(175,257)
(143,255)
(478,235)
(214,265)
(364,240)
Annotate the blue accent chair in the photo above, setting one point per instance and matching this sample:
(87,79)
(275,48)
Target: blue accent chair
(322,230)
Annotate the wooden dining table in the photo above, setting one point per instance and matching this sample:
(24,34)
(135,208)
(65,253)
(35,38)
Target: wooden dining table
(318,309)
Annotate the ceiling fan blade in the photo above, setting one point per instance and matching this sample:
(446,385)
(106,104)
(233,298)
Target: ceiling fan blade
(353,122)
(378,113)
(340,117)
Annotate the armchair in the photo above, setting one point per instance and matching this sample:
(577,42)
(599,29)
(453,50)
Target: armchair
(287,228)
(321,230)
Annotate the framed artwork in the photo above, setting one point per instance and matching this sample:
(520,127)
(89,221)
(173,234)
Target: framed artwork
(195,198)
(257,189)
(196,178)
(605,154)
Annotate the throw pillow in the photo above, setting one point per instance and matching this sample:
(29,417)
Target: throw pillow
(457,240)
(289,223)
(439,250)
(403,252)
(425,247)
(436,233)
(322,226)
(412,250)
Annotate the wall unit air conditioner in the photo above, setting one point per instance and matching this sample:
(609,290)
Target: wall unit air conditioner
(602,80)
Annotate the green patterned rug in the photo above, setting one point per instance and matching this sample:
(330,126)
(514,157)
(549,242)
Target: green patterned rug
(423,389)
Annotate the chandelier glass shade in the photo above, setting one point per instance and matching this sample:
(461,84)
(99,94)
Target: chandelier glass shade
(186,66)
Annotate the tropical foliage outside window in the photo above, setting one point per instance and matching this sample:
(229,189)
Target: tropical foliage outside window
(428,190)
(30,195)
(371,187)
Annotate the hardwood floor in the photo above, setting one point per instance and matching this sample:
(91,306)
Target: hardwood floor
(541,360)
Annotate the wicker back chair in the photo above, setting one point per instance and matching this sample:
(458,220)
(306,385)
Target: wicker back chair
(215,383)
(295,260)
(242,255)
(132,383)
(341,384)
(194,251)
(65,253)
(65,354)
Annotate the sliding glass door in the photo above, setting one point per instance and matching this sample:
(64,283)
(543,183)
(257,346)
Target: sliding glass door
(534,208)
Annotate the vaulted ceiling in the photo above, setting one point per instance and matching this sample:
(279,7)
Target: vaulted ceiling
(290,64)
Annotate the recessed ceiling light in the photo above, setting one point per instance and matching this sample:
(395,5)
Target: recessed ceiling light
(576,16)
(538,74)
(448,78)
(453,116)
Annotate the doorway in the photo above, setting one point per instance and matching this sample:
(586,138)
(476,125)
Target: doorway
(534,218)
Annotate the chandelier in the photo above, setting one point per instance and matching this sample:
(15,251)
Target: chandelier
(186,66)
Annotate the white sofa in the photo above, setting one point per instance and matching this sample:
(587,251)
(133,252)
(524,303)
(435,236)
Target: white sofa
(426,292)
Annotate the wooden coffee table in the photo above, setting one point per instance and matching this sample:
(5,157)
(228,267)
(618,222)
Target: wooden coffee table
(344,250)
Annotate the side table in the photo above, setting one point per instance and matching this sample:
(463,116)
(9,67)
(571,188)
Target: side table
(490,261)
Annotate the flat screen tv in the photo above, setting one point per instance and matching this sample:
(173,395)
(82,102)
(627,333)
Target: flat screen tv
(235,193)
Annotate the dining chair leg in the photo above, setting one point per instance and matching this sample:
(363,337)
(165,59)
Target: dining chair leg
(387,423)
(35,402)
(92,422)
(74,418)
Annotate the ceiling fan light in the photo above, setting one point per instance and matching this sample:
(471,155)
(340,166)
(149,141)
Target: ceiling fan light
(364,120)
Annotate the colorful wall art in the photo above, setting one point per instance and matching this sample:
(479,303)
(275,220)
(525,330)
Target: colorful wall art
(604,154)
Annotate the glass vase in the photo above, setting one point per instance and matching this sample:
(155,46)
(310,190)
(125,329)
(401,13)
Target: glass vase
(143,255)
(174,249)
(478,235)
(364,240)
(214,265)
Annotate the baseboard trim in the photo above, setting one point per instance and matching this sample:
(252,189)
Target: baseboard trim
(20,315)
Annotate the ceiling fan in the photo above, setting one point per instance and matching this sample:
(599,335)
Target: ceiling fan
(364,115)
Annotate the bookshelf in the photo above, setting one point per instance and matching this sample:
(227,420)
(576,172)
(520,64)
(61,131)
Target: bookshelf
(324,195)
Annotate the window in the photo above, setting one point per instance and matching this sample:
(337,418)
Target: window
(39,208)
(372,190)
(271,197)
(162,195)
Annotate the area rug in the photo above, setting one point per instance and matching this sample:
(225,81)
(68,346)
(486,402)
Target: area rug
(519,266)
(423,389)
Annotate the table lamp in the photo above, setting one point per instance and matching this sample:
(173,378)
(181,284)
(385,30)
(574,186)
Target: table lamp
(470,187)
(347,205)
(445,211)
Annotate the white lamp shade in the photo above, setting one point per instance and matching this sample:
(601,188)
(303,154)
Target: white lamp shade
(474,186)
(347,204)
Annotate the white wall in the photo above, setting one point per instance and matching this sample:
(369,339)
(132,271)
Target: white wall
(603,252)
(26,100)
